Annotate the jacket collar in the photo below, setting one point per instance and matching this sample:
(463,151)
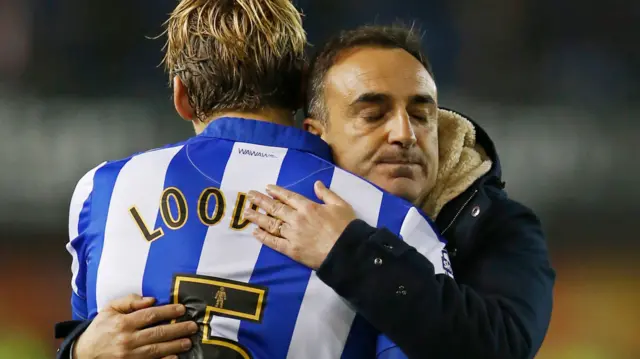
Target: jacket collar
(458,218)
(483,139)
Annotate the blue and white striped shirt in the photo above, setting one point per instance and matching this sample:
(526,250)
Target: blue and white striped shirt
(168,224)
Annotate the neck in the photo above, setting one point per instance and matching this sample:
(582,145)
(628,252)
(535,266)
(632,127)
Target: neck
(277,116)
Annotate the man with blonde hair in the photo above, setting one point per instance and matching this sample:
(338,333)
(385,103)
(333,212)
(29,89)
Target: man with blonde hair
(169,224)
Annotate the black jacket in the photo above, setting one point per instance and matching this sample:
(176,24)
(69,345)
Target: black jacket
(498,306)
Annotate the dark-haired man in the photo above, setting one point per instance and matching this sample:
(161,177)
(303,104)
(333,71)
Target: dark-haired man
(373,99)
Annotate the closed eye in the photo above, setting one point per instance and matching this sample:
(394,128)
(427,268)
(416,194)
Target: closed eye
(373,118)
(420,118)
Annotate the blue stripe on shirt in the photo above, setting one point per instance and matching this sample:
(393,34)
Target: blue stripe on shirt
(78,301)
(361,342)
(103,184)
(78,307)
(392,220)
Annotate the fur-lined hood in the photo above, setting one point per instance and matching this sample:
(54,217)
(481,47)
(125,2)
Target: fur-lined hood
(466,154)
(469,182)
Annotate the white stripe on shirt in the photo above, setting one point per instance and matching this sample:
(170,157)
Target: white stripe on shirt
(417,232)
(125,250)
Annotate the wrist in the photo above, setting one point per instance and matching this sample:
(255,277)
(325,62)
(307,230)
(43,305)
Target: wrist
(340,259)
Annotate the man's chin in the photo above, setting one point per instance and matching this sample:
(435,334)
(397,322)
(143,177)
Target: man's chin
(402,187)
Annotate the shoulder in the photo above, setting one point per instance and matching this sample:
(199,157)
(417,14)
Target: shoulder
(86,181)
(108,168)
(507,214)
(511,225)
(484,219)
(361,189)
(382,209)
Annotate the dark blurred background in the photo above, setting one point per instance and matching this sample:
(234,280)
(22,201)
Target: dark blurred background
(554,82)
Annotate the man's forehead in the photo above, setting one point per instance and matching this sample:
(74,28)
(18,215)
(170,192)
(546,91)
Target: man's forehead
(379,70)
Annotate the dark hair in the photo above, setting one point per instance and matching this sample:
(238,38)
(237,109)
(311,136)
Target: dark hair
(392,37)
(237,55)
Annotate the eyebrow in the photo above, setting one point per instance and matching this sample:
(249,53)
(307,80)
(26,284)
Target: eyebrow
(370,97)
(380,98)
(422,99)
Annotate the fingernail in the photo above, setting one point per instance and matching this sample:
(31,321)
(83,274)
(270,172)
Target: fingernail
(251,195)
(172,357)
(186,344)
(248,212)
(193,327)
(271,187)
(180,309)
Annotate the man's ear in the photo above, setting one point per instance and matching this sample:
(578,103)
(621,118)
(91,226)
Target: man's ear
(314,126)
(181,100)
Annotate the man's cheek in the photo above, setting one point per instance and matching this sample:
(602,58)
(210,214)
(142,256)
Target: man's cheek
(355,164)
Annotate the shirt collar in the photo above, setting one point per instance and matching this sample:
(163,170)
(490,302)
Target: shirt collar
(267,134)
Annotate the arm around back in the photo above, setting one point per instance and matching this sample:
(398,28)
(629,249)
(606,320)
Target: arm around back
(499,305)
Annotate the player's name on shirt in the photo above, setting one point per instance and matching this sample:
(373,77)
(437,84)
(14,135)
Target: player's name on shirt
(212,206)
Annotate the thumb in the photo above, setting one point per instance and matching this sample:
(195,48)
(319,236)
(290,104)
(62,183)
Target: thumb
(326,195)
(131,303)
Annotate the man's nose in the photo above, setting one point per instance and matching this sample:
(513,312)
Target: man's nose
(400,130)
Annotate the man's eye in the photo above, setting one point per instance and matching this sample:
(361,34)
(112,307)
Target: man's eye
(373,117)
(420,118)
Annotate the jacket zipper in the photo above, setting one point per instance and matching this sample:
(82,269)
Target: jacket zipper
(460,211)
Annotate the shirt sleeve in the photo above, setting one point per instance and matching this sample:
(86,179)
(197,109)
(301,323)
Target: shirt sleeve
(420,233)
(386,349)
(79,221)
(70,332)
(392,353)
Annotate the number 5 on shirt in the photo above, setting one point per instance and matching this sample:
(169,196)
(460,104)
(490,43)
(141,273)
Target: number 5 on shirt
(208,297)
